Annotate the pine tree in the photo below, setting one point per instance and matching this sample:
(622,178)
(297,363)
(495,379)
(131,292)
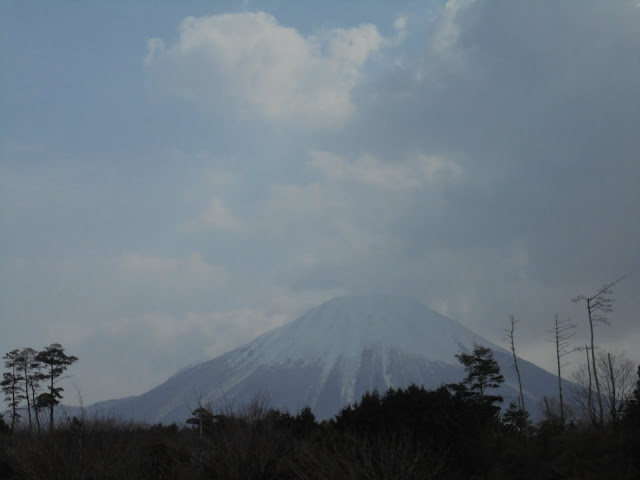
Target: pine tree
(35,377)
(203,419)
(12,384)
(483,373)
(54,362)
(515,419)
(26,362)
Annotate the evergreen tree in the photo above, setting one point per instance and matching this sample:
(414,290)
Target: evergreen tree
(3,425)
(54,362)
(12,384)
(26,363)
(35,377)
(515,419)
(202,418)
(305,421)
(483,373)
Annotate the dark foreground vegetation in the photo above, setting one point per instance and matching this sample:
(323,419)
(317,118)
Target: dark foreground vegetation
(457,431)
(453,432)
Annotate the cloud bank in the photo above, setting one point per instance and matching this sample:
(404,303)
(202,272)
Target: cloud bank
(263,68)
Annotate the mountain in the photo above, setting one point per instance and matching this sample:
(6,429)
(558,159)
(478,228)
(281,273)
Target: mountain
(328,358)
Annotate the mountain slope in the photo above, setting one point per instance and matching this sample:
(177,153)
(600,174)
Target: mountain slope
(329,357)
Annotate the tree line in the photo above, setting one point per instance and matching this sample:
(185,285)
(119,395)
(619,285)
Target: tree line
(31,383)
(455,431)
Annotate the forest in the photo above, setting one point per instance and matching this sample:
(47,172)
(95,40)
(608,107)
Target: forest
(456,431)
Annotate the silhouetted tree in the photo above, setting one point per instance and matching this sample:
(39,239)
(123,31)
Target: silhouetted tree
(27,363)
(55,362)
(562,333)
(33,380)
(631,409)
(512,342)
(553,421)
(582,392)
(3,425)
(515,419)
(12,384)
(304,422)
(598,306)
(617,372)
(202,418)
(483,373)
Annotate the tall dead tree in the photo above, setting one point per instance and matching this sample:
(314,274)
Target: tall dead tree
(562,331)
(590,409)
(511,338)
(612,379)
(598,306)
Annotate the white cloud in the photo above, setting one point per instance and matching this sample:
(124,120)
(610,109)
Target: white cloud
(400,25)
(436,168)
(292,198)
(170,271)
(448,31)
(249,61)
(414,173)
(216,217)
(155,46)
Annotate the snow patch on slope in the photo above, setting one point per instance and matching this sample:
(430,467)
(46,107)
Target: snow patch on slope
(347,325)
(329,357)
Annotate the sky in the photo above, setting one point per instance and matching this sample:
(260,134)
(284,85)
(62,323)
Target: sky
(179,177)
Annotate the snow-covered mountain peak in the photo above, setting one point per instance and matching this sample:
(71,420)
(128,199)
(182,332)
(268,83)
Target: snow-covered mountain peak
(330,357)
(345,326)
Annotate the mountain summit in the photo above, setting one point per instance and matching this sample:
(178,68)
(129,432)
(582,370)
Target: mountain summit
(329,357)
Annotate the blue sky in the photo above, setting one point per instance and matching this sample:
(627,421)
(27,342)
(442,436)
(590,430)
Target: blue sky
(178,177)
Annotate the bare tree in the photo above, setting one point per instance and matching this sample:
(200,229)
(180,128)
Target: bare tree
(618,373)
(598,306)
(618,376)
(511,338)
(582,393)
(592,413)
(562,332)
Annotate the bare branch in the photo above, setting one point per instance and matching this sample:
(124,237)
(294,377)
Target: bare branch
(607,288)
(598,306)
